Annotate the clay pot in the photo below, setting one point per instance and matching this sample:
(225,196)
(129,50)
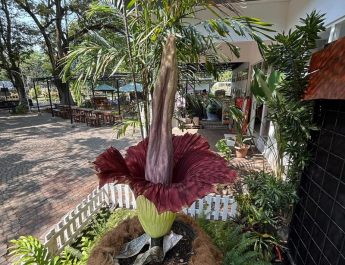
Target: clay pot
(241,152)
(203,250)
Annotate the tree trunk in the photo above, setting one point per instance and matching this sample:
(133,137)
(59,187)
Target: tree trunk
(64,92)
(18,83)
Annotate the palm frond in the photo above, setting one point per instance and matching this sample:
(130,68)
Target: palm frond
(122,128)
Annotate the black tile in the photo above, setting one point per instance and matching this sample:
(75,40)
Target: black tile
(324,261)
(322,219)
(321,157)
(315,173)
(302,251)
(335,165)
(325,139)
(341,108)
(329,120)
(299,260)
(293,235)
(331,252)
(305,182)
(336,235)
(311,207)
(341,260)
(330,105)
(338,216)
(314,137)
(341,194)
(314,250)
(330,184)
(326,203)
(343,176)
(299,212)
(338,145)
(305,237)
(318,236)
(314,192)
(340,126)
(310,260)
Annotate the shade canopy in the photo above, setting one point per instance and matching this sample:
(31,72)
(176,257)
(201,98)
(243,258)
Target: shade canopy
(130,87)
(105,87)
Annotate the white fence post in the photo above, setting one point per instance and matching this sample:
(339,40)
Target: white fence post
(63,233)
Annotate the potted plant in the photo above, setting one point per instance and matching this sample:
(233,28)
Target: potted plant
(243,141)
(213,109)
(242,145)
(195,108)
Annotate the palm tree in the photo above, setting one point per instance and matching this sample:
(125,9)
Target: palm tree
(145,26)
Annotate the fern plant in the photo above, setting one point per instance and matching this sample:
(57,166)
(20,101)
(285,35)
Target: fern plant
(240,249)
(29,250)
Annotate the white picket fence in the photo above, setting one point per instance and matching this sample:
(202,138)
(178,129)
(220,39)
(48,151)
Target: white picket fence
(120,196)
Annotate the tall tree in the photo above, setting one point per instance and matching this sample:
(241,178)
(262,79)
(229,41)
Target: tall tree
(16,39)
(36,64)
(149,24)
(51,18)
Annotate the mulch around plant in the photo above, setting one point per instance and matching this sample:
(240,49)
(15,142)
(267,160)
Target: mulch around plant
(195,248)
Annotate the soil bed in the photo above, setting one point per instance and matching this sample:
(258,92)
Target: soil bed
(180,254)
(195,248)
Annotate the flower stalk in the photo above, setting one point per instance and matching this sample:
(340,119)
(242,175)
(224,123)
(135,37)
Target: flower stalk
(159,160)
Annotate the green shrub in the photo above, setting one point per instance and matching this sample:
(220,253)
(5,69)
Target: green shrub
(22,109)
(268,200)
(32,92)
(265,207)
(238,246)
(223,149)
(29,250)
(240,249)
(86,104)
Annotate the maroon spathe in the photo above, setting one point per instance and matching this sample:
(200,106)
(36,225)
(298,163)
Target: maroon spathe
(195,171)
(170,171)
(159,161)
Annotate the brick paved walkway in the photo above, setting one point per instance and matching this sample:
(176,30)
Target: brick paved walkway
(45,171)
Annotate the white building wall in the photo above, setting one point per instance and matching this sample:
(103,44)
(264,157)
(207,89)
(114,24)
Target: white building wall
(270,11)
(334,10)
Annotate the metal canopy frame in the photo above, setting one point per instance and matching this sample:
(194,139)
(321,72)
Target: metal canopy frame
(49,80)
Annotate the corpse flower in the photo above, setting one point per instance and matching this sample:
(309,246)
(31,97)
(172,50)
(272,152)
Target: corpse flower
(165,172)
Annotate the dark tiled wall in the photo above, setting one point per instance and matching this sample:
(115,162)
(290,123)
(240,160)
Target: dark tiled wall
(317,231)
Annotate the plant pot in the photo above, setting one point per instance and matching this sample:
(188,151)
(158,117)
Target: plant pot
(198,251)
(196,121)
(212,117)
(241,152)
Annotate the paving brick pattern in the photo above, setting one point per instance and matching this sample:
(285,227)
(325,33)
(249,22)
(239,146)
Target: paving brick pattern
(45,171)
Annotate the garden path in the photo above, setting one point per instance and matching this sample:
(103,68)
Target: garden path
(45,171)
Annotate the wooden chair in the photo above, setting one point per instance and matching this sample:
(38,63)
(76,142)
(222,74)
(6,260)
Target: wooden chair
(57,112)
(108,118)
(78,115)
(117,119)
(92,119)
